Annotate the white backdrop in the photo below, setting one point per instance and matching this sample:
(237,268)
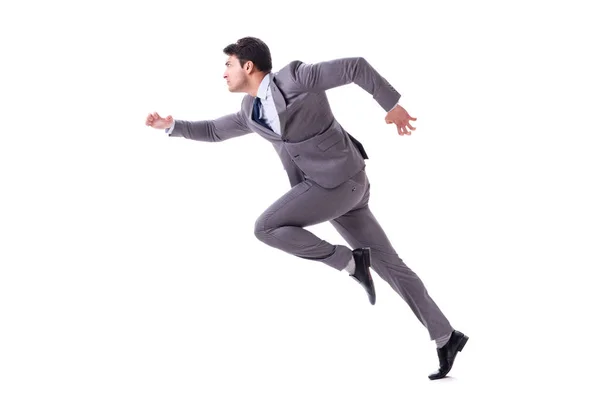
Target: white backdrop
(128,264)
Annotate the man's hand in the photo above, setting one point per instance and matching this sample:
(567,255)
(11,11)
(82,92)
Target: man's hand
(400,117)
(156,121)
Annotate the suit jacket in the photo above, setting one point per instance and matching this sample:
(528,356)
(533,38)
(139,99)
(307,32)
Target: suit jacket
(312,143)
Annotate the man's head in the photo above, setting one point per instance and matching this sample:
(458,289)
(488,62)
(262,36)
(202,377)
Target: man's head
(248,62)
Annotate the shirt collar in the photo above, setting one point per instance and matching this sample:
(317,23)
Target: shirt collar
(263,88)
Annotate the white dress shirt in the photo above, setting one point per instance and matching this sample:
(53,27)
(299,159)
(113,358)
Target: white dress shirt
(268,112)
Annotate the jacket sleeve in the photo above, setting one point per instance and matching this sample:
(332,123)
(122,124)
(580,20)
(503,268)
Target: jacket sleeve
(217,130)
(330,74)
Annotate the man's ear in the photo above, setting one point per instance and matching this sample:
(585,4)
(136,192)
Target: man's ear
(249,66)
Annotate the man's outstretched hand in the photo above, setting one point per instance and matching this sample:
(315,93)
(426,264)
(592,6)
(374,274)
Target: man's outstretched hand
(399,116)
(156,121)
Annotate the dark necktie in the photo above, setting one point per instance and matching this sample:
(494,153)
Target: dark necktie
(256,113)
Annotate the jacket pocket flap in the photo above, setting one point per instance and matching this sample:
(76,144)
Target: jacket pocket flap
(331,139)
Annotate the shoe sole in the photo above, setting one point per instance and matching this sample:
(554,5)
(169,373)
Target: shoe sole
(463,341)
(368,249)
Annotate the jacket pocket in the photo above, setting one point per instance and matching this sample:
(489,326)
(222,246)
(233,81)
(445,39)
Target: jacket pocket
(331,138)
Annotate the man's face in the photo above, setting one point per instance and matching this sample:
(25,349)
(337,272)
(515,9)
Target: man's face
(235,75)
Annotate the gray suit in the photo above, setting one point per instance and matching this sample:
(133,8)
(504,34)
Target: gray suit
(326,169)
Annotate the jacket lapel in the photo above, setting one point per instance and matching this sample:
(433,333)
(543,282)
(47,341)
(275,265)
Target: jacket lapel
(256,124)
(280,104)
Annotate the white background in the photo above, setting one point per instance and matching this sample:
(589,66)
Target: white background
(128,264)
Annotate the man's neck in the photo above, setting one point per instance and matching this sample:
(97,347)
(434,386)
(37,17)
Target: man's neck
(256,84)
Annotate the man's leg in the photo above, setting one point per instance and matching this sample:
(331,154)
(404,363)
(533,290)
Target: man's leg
(360,229)
(282,224)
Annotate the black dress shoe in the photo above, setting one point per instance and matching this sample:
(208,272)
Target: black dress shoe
(448,353)
(362,273)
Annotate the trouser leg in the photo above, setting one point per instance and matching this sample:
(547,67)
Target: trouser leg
(282,225)
(360,228)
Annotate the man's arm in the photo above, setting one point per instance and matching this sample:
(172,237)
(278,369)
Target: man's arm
(330,74)
(223,128)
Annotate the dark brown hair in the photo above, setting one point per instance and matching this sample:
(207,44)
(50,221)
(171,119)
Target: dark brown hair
(251,49)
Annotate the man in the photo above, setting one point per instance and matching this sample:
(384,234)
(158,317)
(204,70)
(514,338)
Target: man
(326,170)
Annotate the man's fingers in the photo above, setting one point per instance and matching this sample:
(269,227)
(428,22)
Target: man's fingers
(403,127)
(403,130)
(399,128)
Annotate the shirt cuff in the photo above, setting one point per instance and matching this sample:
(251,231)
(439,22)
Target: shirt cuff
(395,105)
(168,131)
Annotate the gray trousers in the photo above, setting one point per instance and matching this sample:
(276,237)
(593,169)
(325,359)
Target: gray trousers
(346,207)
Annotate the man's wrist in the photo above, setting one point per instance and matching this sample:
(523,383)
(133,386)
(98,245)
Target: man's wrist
(395,105)
(170,129)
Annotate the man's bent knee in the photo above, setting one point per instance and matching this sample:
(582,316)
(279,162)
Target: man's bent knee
(261,231)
